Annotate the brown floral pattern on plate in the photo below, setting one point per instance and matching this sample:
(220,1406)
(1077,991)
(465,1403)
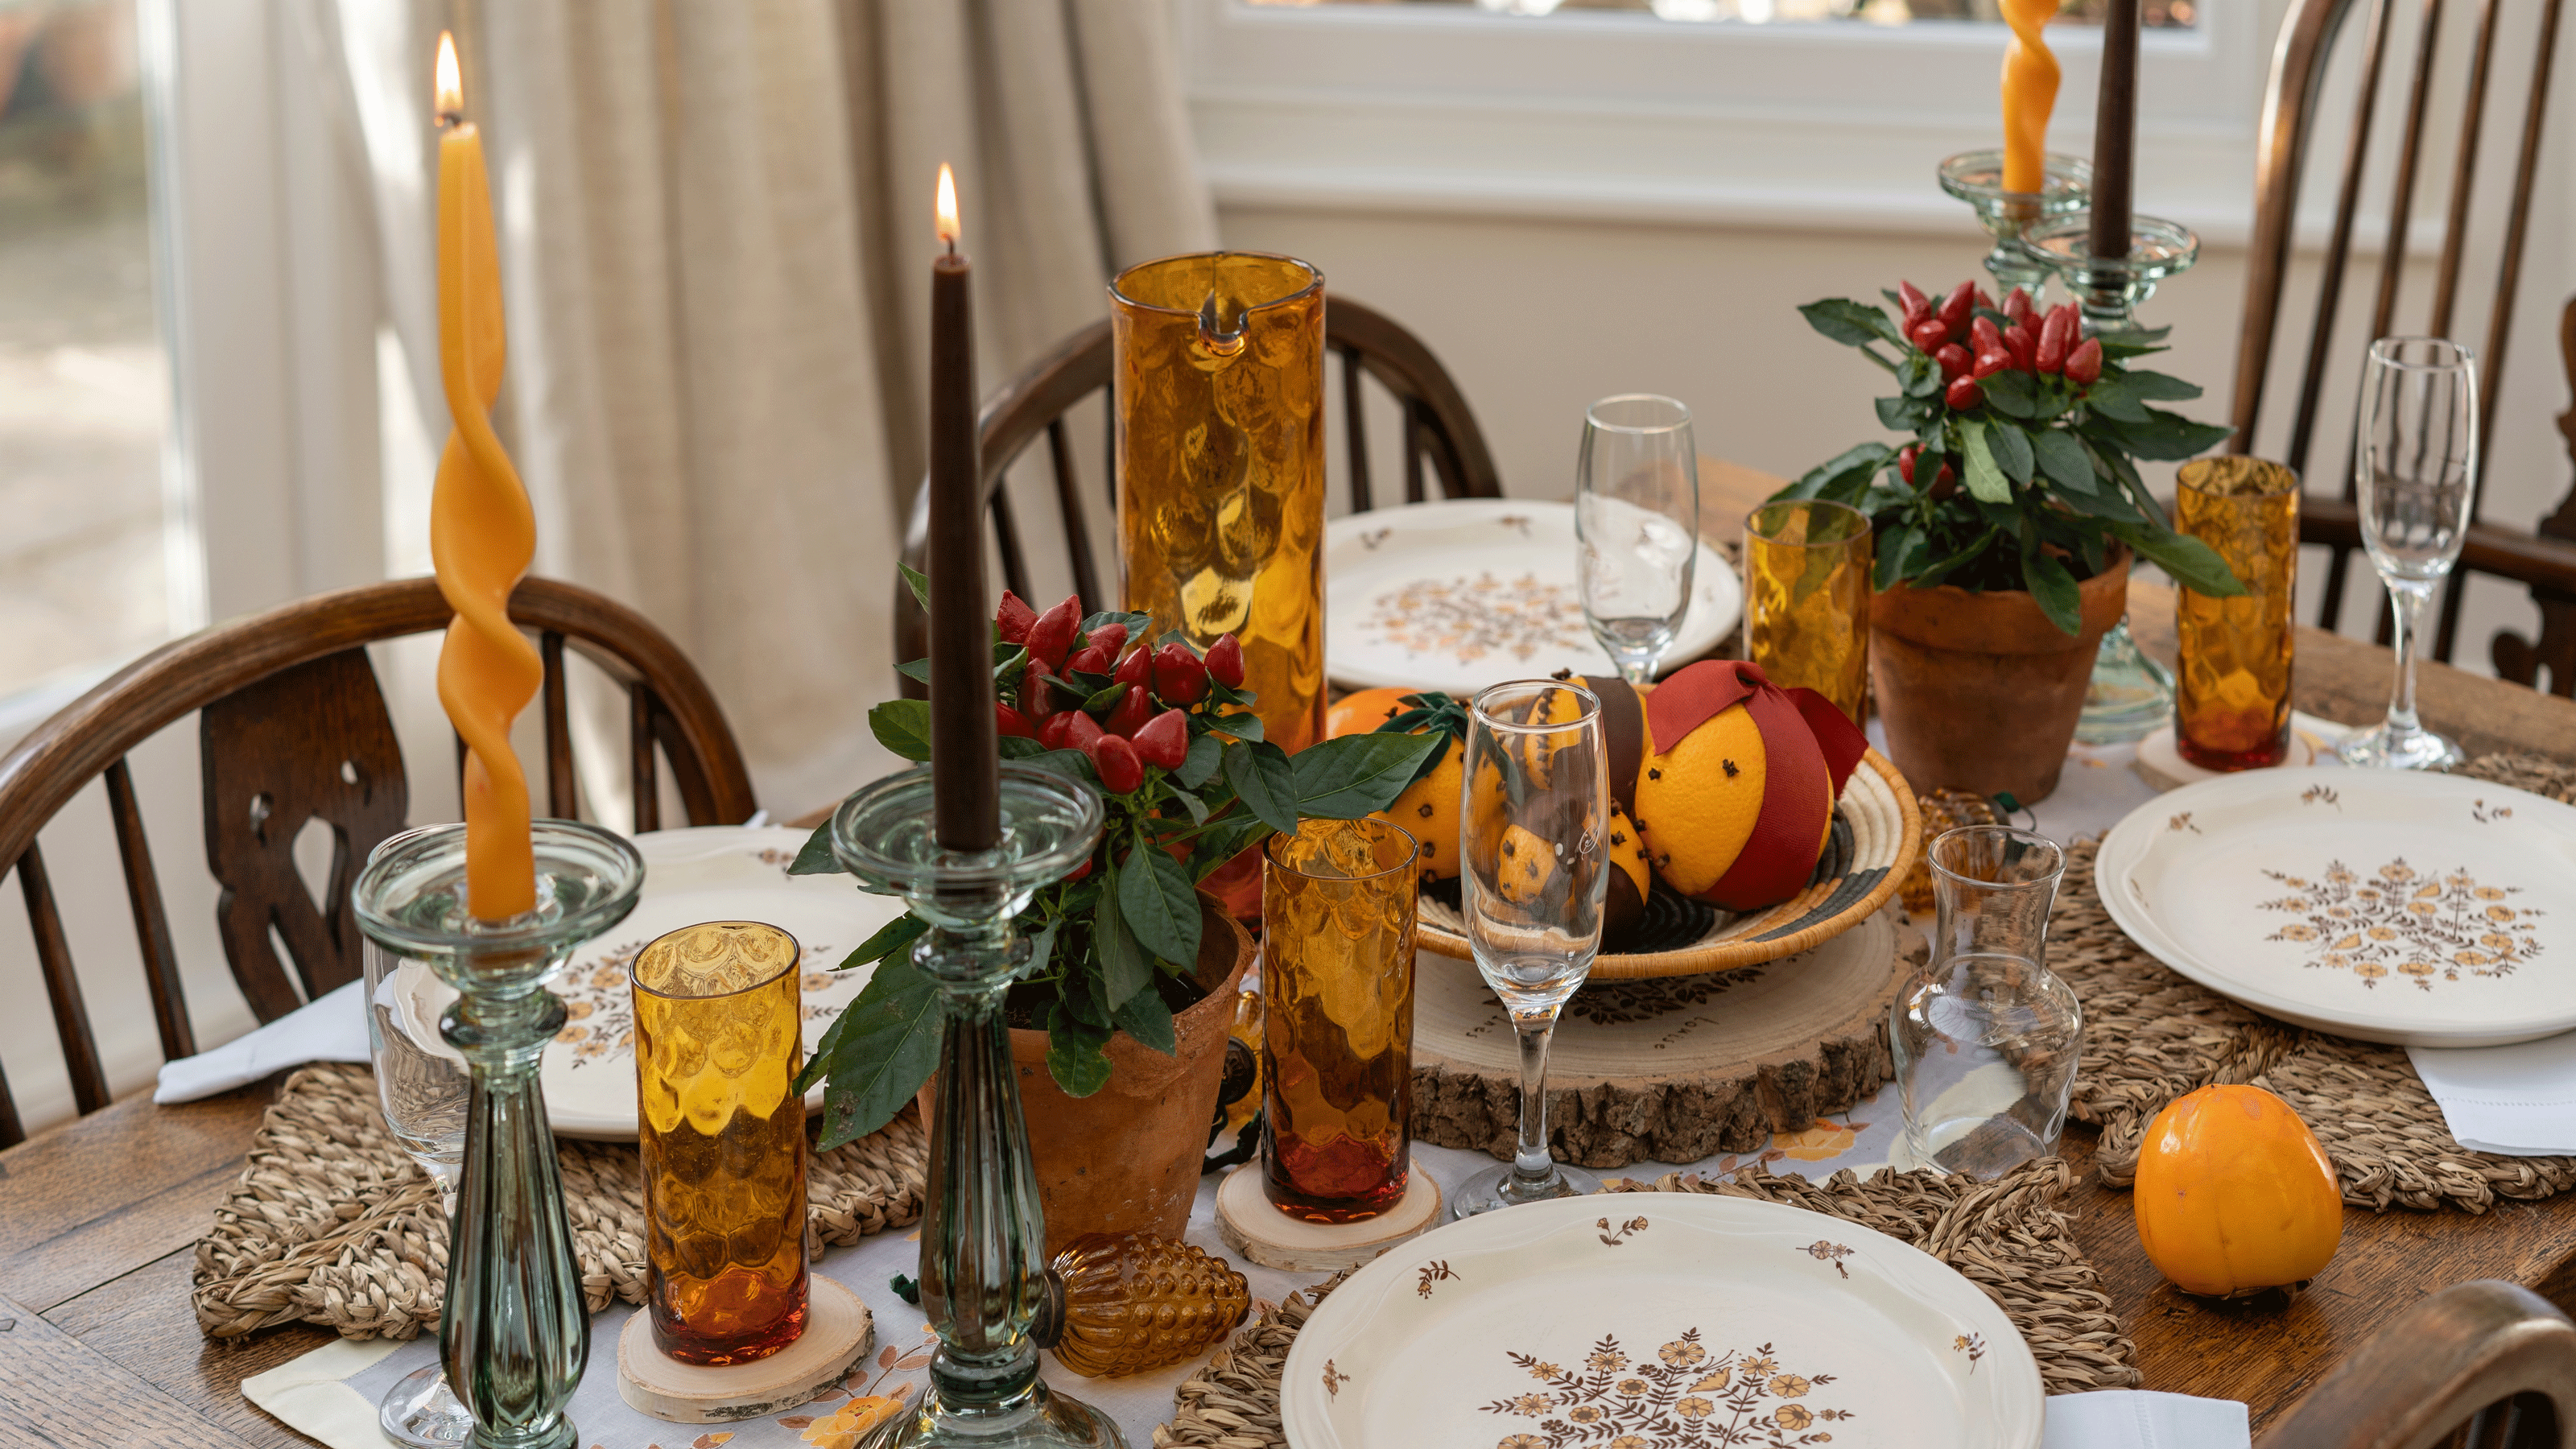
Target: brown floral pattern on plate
(2421,926)
(1684,1397)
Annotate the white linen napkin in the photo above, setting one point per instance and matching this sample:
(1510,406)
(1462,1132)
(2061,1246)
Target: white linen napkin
(2136,1419)
(2517,1100)
(332,1029)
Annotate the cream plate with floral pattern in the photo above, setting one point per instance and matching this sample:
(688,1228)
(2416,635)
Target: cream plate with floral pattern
(2425,910)
(709,873)
(1455,596)
(1658,1321)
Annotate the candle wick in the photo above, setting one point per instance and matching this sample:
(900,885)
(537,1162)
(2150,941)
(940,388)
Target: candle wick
(952,244)
(450,120)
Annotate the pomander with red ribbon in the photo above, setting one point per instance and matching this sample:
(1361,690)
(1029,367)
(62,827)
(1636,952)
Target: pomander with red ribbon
(1809,751)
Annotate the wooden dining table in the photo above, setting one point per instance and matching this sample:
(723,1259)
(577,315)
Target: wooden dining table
(99,1217)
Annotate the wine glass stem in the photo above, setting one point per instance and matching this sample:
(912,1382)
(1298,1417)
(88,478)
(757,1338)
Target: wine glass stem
(1531,1164)
(2407,600)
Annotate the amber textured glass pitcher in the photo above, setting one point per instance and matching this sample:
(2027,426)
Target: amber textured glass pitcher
(1219,392)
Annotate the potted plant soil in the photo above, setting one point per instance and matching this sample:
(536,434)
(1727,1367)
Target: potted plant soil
(1119,1016)
(2005,529)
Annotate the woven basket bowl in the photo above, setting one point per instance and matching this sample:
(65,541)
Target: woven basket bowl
(1877,832)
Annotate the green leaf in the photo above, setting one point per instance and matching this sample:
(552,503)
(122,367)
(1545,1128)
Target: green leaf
(903,726)
(1853,324)
(1157,900)
(1919,375)
(895,935)
(2168,437)
(883,1048)
(2011,392)
(1019,747)
(1265,781)
(920,584)
(1124,967)
(914,669)
(815,856)
(1892,551)
(1201,762)
(2194,564)
(1041,950)
(1900,414)
(2053,589)
(1842,478)
(1245,727)
(1136,624)
(2112,398)
(2011,447)
(1347,778)
(2062,458)
(1985,480)
(1149,1020)
(1105,700)
(1229,837)
(1072,764)
(1077,1053)
(2157,386)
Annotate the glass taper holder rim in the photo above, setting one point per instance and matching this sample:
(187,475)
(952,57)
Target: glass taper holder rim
(983,1268)
(2109,290)
(1976,177)
(514,1336)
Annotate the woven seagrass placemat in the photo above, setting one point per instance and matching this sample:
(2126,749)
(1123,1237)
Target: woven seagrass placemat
(333,1224)
(2151,1036)
(2005,1236)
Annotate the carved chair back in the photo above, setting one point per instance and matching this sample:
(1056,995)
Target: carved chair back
(2481,1365)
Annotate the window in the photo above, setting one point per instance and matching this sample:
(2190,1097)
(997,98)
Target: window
(84,379)
(2157,14)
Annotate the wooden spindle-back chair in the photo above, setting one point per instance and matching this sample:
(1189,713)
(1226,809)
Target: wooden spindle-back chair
(2481,1365)
(1437,428)
(292,728)
(2546,561)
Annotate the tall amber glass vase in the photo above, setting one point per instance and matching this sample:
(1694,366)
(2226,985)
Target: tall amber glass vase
(1806,598)
(2232,703)
(718,1037)
(1338,902)
(1219,392)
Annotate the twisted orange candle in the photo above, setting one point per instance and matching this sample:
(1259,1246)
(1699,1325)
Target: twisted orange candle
(481,531)
(2030,92)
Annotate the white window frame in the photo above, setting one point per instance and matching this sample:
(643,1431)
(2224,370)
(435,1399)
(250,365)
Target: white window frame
(1611,116)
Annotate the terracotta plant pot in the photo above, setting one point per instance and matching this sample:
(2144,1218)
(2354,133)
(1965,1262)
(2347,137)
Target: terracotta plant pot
(1127,1157)
(1980,692)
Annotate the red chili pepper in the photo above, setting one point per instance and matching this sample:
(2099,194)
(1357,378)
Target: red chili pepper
(2084,364)
(2053,338)
(1225,661)
(1137,669)
(1165,739)
(2024,344)
(1055,731)
(1052,634)
(1954,359)
(1093,660)
(1115,759)
(2017,305)
(1013,618)
(1990,363)
(1927,335)
(1009,721)
(1983,338)
(1963,394)
(1134,708)
(1180,677)
(1985,300)
(1112,637)
(1905,461)
(1916,305)
(1080,871)
(1956,306)
(1080,730)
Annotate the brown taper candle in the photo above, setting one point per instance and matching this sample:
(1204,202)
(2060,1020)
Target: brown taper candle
(965,761)
(2115,130)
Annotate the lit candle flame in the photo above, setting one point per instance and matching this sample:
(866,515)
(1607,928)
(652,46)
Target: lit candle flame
(451,86)
(948,228)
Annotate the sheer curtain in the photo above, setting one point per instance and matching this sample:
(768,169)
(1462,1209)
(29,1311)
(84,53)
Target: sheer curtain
(715,223)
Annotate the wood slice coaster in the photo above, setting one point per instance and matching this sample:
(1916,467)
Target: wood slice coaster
(1673,1069)
(838,1333)
(1252,1227)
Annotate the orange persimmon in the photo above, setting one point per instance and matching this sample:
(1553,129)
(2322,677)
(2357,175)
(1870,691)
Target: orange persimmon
(2234,1195)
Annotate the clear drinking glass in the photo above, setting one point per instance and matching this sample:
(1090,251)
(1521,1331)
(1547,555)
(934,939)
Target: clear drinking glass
(2417,467)
(1532,821)
(422,1084)
(1986,1039)
(1636,521)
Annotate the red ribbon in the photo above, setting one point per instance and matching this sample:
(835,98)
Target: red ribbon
(1808,751)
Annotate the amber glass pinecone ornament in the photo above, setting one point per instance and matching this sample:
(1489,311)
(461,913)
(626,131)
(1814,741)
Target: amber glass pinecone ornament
(1124,1303)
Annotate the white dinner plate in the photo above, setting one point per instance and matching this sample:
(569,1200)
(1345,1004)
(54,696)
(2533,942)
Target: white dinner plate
(1458,595)
(709,873)
(2388,905)
(1685,1320)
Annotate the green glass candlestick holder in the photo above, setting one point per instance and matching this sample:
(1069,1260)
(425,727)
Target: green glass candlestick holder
(2110,289)
(983,1252)
(1977,178)
(514,1333)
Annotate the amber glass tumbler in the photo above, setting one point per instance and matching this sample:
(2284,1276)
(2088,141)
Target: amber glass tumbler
(1337,908)
(718,1037)
(2232,702)
(1219,399)
(1806,598)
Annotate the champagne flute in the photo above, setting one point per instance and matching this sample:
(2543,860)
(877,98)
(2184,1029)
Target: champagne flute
(1636,525)
(2417,468)
(1532,825)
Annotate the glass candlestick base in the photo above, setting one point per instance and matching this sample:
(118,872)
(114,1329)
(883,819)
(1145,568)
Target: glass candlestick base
(2130,696)
(2109,289)
(983,1247)
(515,1333)
(1977,178)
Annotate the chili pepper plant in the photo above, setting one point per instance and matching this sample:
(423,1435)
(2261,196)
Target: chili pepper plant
(1187,784)
(2022,469)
